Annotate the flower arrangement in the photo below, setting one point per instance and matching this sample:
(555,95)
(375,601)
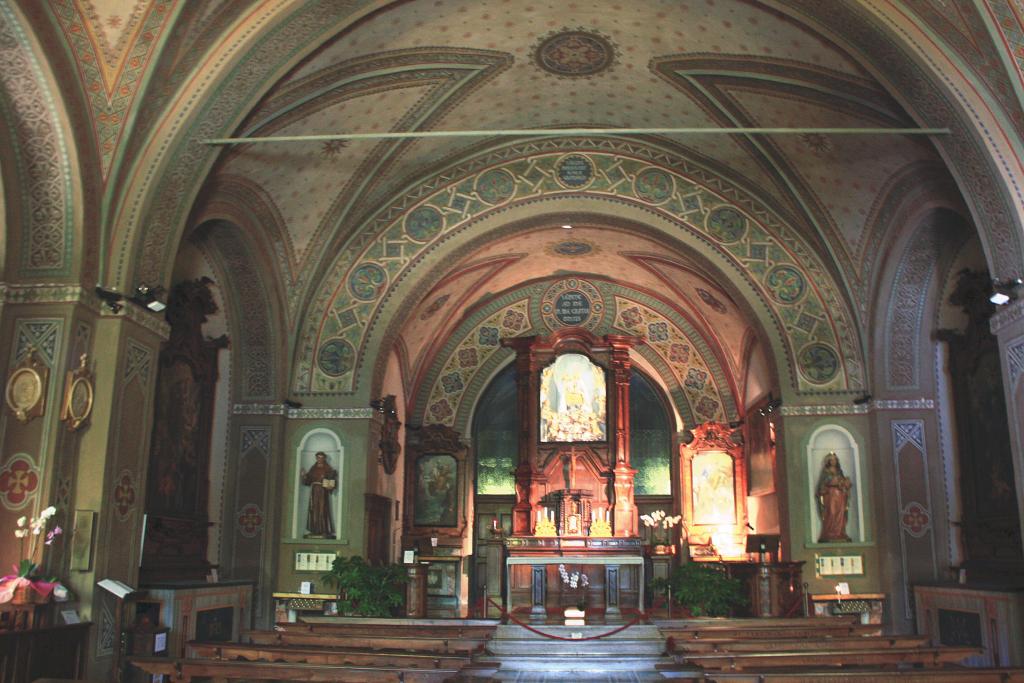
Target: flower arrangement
(24,578)
(574,580)
(660,525)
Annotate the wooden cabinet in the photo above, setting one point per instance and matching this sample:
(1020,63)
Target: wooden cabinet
(774,589)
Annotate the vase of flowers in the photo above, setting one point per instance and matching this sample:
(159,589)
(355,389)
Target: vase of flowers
(25,586)
(576,581)
(661,525)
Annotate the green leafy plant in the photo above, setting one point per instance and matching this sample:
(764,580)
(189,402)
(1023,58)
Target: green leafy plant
(703,588)
(364,589)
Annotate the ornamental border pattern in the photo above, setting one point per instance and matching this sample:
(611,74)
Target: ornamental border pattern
(41,153)
(368,269)
(277,409)
(841,409)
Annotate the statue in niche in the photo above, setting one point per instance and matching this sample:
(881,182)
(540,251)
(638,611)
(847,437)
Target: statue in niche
(321,479)
(833,495)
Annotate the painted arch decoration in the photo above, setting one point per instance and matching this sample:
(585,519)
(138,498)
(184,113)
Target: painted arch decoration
(806,303)
(462,367)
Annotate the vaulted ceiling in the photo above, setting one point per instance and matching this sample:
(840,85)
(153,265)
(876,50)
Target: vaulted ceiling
(154,79)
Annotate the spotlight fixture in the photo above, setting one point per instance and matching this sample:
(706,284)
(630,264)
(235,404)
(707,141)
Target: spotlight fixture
(566,227)
(866,398)
(1005,290)
(146,297)
(770,407)
(111,299)
(288,403)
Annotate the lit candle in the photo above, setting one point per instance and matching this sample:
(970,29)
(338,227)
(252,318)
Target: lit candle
(592,516)
(539,515)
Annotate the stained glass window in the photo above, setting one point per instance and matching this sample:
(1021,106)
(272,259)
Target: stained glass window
(496,435)
(649,439)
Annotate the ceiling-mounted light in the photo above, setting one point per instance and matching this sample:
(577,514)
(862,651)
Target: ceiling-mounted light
(146,296)
(1005,290)
(566,227)
(110,298)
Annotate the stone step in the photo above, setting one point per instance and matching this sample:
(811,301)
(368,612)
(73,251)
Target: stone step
(617,647)
(636,631)
(588,662)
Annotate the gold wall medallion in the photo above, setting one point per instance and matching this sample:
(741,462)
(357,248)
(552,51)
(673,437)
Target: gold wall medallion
(26,387)
(78,396)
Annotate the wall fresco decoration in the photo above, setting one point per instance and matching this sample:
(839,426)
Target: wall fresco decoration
(474,349)
(676,350)
(803,298)
(464,365)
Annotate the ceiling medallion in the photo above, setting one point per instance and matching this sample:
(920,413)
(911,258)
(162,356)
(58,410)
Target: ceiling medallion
(571,248)
(574,52)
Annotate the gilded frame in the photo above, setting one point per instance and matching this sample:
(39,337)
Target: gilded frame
(25,391)
(79,394)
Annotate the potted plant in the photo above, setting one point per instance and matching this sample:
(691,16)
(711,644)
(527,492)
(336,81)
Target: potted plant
(704,589)
(366,590)
(27,586)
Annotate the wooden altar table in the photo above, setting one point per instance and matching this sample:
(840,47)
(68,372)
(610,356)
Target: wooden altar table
(539,552)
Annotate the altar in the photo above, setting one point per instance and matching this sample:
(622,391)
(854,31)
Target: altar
(614,567)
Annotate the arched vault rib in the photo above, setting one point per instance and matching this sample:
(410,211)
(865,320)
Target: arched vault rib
(735,231)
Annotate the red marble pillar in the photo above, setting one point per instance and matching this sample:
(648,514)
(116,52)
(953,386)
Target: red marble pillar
(626,518)
(526,473)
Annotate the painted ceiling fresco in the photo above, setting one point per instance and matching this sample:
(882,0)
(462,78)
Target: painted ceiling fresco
(348,222)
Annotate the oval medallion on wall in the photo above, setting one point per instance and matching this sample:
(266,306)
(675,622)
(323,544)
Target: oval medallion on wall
(571,303)
(726,224)
(654,186)
(819,363)
(423,223)
(495,186)
(574,171)
(336,357)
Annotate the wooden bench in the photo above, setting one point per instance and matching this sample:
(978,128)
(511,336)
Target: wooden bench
(378,641)
(944,675)
(915,656)
(808,627)
(321,655)
(709,645)
(184,670)
(458,629)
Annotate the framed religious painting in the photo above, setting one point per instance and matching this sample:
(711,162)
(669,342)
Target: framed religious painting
(78,396)
(714,486)
(26,387)
(573,401)
(436,478)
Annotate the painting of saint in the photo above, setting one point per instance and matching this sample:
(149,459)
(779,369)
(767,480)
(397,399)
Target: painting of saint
(714,498)
(436,486)
(573,401)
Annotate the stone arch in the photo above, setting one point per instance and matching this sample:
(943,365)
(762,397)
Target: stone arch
(469,358)
(933,236)
(42,159)
(691,207)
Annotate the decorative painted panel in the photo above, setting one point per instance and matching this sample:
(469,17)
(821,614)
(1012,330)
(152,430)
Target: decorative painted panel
(913,502)
(795,286)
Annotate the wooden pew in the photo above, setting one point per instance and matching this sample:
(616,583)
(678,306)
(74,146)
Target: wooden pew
(458,629)
(943,675)
(810,627)
(320,655)
(184,670)
(378,641)
(709,645)
(915,656)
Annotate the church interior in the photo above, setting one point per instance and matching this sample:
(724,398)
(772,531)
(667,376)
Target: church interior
(482,286)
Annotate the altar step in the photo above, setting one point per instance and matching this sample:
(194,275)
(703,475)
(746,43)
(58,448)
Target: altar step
(516,653)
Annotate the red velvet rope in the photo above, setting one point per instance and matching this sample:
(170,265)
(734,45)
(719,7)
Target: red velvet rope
(509,615)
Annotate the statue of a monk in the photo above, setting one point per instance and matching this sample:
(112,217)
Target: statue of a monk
(321,479)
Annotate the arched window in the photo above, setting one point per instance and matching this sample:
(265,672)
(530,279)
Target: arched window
(650,440)
(496,435)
